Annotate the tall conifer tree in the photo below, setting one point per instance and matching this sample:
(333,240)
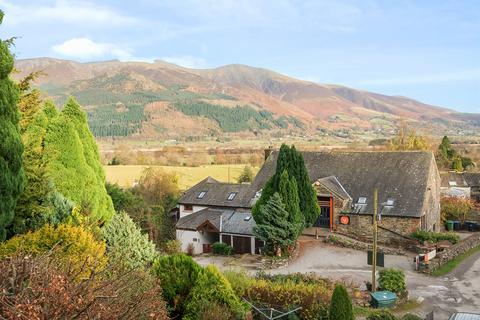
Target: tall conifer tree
(289,193)
(12,180)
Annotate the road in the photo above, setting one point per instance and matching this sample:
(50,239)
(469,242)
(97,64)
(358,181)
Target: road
(457,291)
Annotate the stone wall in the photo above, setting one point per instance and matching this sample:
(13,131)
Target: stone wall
(454,251)
(393,231)
(431,203)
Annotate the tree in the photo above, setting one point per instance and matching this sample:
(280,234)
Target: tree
(457,164)
(292,161)
(289,193)
(72,161)
(341,304)
(275,229)
(408,139)
(158,187)
(454,208)
(246,175)
(126,244)
(12,179)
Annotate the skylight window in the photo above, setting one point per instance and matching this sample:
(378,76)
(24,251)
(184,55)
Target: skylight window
(231,196)
(247,218)
(362,200)
(390,202)
(201,194)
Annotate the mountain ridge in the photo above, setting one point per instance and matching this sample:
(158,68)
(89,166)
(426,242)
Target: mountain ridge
(280,103)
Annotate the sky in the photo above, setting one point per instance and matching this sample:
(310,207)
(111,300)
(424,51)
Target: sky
(425,50)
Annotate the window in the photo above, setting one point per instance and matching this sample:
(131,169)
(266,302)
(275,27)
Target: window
(452,183)
(201,194)
(390,202)
(231,196)
(362,200)
(195,240)
(247,218)
(187,207)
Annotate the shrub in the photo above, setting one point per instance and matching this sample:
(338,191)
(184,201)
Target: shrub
(222,248)
(178,274)
(435,237)
(341,304)
(381,315)
(313,298)
(240,281)
(212,289)
(40,288)
(76,247)
(455,208)
(126,243)
(410,316)
(392,280)
(172,247)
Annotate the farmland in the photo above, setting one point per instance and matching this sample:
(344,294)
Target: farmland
(126,175)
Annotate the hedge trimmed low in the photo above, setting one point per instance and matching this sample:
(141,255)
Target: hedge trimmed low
(222,248)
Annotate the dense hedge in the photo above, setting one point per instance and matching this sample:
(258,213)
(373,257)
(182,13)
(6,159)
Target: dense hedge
(222,248)
(435,236)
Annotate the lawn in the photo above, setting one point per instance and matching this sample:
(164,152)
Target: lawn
(126,175)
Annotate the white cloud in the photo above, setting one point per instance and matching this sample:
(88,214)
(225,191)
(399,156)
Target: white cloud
(84,48)
(186,61)
(71,12)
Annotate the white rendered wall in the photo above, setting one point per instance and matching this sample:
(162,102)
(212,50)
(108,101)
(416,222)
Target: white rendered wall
(184,212)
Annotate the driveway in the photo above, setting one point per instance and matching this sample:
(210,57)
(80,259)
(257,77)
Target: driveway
(458,291)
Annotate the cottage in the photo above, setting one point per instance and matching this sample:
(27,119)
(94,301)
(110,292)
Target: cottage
(213,211)
(408,186)
(461,184)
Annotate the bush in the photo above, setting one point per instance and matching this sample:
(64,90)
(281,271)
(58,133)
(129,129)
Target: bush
(213,289)
(410,316)
(341,305)
(455,208)
(76,247)
(240,281)
(392,280)
(126,243)
(222,248)
(178,274)
(40,288)
(313,298)
(190,249)
(381,315)
(435,237)
(172,247)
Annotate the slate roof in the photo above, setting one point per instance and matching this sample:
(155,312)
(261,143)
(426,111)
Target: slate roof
(331,183)
(226,221)
(472,178)
(400,176)
(453,179)
(217,194)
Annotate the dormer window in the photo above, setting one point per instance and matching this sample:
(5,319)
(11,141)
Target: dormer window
(201,195)
(362,200)
(231,196)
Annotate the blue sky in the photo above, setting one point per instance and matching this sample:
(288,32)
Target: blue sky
(426,50)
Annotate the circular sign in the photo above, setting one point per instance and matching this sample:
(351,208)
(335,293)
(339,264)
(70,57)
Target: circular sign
(344,220)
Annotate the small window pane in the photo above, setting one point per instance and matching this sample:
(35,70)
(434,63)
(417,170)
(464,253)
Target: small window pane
(362,200)
(231,196)
(201,194)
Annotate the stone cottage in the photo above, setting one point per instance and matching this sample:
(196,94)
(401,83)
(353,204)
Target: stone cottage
(408,186)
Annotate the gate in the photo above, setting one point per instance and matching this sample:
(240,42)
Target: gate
(323,220)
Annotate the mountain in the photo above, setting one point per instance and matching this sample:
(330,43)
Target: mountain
(160,100)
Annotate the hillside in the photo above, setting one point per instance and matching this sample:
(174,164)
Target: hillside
(164,101)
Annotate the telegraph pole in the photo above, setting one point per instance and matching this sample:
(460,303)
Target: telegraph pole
(374,249)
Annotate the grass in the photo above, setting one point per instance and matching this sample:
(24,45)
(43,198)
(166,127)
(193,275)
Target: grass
(452,264)
(126,175)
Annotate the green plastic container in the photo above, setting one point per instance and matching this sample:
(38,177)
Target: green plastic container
(449,225)
(383,299)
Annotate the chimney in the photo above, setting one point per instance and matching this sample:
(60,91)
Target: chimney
(268,151)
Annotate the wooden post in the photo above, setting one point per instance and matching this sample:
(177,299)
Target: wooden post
(374,249)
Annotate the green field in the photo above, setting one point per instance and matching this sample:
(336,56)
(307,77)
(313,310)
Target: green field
(126,175)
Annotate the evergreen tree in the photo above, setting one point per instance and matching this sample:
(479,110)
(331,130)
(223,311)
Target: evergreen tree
(290,160)
(289,193)
(12,180)
(446,149)
(246,175)
(341,304)
(73,162)
(275,229)
(457,164)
